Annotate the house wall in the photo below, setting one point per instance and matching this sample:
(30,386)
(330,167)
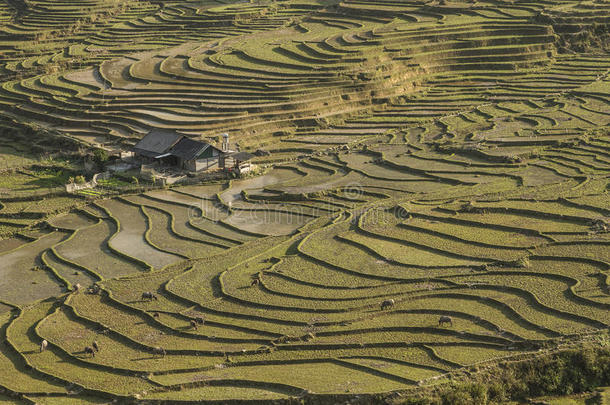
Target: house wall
(244,168)
(197,165)
(208,160)
(229,162)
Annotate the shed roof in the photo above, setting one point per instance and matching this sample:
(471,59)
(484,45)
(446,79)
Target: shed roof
(157,142)
(189,149)
(242,156)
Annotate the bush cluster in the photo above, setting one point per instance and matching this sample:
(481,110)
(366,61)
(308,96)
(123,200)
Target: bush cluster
(563,373)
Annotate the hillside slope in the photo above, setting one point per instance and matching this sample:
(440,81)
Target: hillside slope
(451,159)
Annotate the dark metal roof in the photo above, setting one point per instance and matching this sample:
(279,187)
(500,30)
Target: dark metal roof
(157,142)
(189,149)
(242,156)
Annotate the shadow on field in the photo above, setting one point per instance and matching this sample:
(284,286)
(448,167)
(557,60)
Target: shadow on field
(145,358)
(81,354)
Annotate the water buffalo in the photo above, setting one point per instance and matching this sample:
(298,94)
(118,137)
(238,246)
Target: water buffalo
(445,319)
(385,304)
(158,351)
(94,289)
(90,350)
(148,295)
(96,346)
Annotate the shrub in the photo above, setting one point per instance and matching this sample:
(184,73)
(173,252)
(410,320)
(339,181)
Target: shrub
(421,401)
(100,156)
(459,396)
(497,392)
(564,373)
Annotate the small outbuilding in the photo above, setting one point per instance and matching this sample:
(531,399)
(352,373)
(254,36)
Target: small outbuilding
(238,162)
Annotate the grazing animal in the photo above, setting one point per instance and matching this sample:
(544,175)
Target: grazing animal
(90,350)
(254,282)
(96,346)
(43,345)
(155,314)
(445,319)
(76,287)
(148,295)
(193,324)
(94,289)
(200,320)
(159,351)
(387,304)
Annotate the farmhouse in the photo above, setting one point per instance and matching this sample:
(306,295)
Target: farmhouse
(169,148)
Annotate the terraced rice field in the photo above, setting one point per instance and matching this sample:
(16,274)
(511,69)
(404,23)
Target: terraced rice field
(451,156)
